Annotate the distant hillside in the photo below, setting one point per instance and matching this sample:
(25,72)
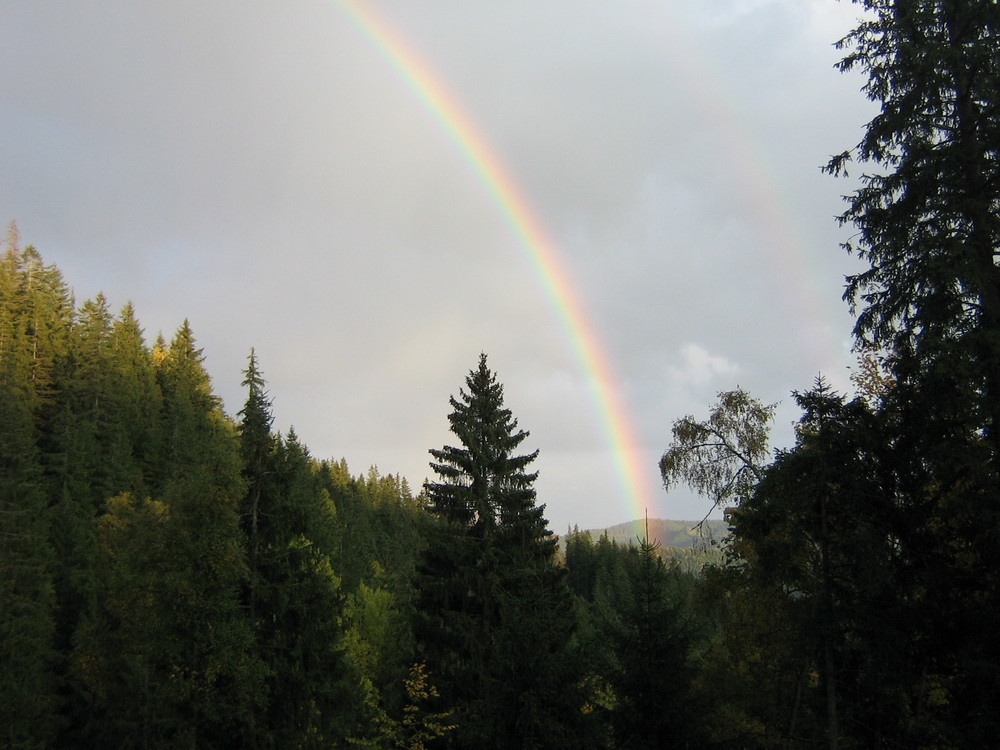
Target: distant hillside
(674,534)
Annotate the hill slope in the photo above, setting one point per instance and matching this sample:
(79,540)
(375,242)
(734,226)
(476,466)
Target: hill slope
(673,534)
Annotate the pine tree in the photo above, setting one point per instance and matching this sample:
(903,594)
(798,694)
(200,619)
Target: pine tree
(165,651)
(293,594)
(652,675)
(929,230)
(134,377)
(28,658)
(926,217)
(495,616)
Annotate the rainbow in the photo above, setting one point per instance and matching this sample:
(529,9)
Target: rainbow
(531,236)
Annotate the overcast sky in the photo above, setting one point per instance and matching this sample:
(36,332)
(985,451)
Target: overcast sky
(260,169)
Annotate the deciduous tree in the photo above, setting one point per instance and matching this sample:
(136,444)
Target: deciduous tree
(721,457)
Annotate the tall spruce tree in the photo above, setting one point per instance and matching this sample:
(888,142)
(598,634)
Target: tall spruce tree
(257,449)
(27,602)
(292,594)
(929,227)
(140,399)
(927,214)
(495,616)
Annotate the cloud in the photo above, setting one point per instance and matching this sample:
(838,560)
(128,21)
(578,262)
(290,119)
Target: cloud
(262,170)
(698,367)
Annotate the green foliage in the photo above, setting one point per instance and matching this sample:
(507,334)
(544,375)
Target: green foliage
(148,588)
(652,682)
(845,599)
(722,456)
(171,578)
(495,619)
(378,541)
(292,593)
(670,535)
(374,629)
(138,441)
(27,596)
(928,227)
(38,312)
(485,487)
(812,542)
(926,218)
(691,545)
(165,654)
(644,636)
(419,726)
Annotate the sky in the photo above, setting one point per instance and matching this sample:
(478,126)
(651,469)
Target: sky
(274,173)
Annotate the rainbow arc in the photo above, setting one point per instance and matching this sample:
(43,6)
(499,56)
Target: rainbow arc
(531,236)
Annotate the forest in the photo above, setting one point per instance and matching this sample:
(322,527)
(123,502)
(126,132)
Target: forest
(173,576)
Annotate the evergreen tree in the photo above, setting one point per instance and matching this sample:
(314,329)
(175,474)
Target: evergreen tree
(816,540)
(929,229)
(652,677)
(495,616)
(27,603)
(36,316)
(90,415)
(379,530)
(640,631)
(136,441)
(165,651)
(293,594)
(192,413)
(44,309)
(581,563)
(257,449)
(928,224)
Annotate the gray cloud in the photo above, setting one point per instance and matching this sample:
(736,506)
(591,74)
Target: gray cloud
(263,171)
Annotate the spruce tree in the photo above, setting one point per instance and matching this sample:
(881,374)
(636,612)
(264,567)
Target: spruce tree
(257,449)
(926,213)
(293,594)
(652,679)
(92,460)
(929,229)
(495,616)
(27,603)
(45,310)
(134,377)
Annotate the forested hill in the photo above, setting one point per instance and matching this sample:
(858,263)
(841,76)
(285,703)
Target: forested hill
(671,534)
(175,576)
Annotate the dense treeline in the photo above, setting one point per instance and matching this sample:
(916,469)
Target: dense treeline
(176,577)
(862,596)
(173,576)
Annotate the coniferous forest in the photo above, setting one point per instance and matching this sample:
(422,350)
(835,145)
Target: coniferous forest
(173,576)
